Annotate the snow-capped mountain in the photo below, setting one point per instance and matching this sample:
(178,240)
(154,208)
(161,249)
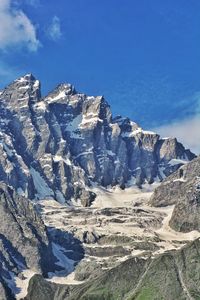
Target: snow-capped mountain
(65,147)
(60,145)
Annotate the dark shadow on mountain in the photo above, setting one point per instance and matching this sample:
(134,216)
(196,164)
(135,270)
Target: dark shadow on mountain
(66,244)
(13,262)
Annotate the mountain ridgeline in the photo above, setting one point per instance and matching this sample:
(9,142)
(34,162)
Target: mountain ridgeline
(60,145)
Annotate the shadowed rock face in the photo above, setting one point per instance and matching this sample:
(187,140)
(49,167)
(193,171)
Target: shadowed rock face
(173,275)
(23,239)
(57,146)
(181,189)
(22,231)
(25,243)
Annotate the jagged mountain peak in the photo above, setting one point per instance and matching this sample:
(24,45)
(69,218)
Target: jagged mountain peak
(28,80)
(27,77)
(61,91)
(60,145)
(21,92)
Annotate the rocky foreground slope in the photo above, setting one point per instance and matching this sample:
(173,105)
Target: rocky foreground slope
(58,146)
(172,275)
(182,189)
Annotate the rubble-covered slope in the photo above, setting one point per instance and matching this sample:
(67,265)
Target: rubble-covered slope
(58,146)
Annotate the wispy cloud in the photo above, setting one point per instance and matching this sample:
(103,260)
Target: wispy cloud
(54,30)
(16,28)
(186,131)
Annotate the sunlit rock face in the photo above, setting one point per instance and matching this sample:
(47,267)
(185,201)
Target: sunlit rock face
(181,189)
(61,145)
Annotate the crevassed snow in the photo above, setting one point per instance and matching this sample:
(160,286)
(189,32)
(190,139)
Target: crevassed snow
(43,190)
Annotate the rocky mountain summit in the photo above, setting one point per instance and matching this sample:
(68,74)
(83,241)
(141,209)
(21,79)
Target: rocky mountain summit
(61,145)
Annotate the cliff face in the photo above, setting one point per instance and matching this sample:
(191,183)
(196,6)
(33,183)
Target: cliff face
(24,242)
(181,189)
(60,145)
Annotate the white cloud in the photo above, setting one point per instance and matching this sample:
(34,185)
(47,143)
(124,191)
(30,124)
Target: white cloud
(186,131)
(54,30)
(16,28)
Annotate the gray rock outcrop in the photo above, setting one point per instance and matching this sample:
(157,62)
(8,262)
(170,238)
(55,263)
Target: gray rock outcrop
(181,189)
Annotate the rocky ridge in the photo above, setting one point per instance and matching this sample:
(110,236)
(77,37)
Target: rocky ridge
(60,145)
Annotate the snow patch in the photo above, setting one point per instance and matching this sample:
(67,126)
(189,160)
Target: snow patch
(43,190)
(60,95)
(60,197)
(58,158)
(40,105)
(72,127)
(63,261)
(139,130)
(174,162)
(90,120)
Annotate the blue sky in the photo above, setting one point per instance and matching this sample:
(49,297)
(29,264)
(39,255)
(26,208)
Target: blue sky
(144,56)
